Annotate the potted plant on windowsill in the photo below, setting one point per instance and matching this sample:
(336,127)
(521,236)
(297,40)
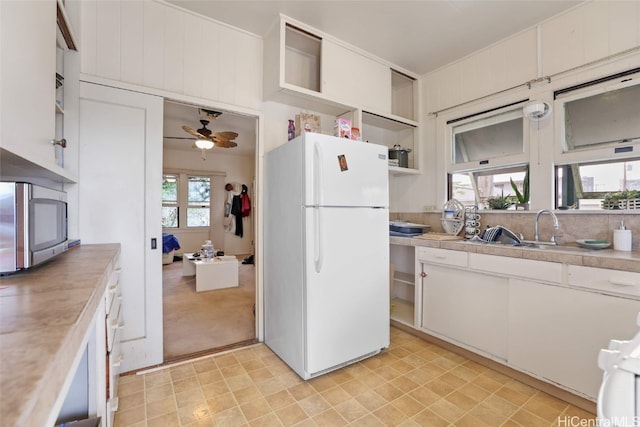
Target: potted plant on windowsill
(627,199)
(500,202)
(523,198)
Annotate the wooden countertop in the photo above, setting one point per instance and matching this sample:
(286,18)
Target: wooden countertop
(602,258)
(46,316)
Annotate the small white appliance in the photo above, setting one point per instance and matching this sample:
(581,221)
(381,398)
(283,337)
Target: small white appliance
(619,395)
(326,252)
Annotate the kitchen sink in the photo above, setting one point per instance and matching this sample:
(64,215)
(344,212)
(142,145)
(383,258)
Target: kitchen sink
(563,248)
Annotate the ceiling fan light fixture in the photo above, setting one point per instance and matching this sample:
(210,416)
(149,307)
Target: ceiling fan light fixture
(204,144)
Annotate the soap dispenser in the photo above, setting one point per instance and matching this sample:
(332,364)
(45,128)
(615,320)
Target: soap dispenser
(622,238)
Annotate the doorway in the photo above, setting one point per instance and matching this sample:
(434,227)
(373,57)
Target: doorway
(196,323)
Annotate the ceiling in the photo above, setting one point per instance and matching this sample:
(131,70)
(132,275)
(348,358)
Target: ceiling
(177,115)
(419,36)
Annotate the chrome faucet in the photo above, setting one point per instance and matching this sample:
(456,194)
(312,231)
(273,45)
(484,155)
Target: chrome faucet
(536,235)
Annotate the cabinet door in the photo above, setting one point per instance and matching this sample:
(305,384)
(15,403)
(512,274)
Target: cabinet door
(355,79)
(556,333)
(467,307)
(120,171)
(27,86)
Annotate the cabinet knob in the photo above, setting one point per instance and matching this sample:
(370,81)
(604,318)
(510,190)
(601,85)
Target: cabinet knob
(423,274)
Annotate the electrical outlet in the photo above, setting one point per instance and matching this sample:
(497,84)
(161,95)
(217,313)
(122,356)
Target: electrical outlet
(429,208)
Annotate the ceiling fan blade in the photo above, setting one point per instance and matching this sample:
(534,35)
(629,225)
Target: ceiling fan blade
(225,143)
(225,135)
(178,137)
(190,131)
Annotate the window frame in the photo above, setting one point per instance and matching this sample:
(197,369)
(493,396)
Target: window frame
(176,205)
(490,162)
(596,154)
(183,199)
(485,166)
(196,205)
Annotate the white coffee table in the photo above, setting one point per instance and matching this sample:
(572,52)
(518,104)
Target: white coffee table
(216,273)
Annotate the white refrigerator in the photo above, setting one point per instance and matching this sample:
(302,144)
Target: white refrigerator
(326,252)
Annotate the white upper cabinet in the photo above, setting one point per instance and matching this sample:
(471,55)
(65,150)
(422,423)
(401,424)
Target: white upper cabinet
(355,79)
(312,70)
(160,46)
(28,115)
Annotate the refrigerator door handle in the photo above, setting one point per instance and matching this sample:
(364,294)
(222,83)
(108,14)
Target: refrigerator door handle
(317,230)
(317,174)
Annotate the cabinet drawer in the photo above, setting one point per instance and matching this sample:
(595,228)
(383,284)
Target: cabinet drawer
(625,283)
(113,288)
(441,256)
(517,267)
(114,324)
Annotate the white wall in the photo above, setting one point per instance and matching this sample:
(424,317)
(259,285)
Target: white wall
(159,45)
(563,48)
(239,169)
(276,122)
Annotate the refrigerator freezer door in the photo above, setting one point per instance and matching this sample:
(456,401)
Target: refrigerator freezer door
(347,292)
(342,172)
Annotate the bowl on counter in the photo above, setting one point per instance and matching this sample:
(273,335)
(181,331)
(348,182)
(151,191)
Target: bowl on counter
(593,243)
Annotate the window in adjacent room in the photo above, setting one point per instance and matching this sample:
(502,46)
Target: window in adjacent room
(170,201)
(199,200)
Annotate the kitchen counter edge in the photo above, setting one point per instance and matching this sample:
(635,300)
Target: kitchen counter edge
(37,354)
(601,258)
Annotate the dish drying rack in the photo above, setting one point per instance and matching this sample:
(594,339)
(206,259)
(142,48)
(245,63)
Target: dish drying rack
(452,217)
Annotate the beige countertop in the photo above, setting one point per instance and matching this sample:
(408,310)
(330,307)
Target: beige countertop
(601,258)
(45,316)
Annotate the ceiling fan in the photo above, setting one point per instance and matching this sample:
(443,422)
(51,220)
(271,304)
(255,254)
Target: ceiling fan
(205,139)
(219,139)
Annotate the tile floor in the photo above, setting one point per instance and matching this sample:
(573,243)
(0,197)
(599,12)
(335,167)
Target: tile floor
(413,383)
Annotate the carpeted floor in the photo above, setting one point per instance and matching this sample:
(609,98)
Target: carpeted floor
(197,322)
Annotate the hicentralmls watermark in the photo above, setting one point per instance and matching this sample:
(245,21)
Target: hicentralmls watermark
(576,421)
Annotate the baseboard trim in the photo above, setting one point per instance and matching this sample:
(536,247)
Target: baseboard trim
(192,357)
(578,401)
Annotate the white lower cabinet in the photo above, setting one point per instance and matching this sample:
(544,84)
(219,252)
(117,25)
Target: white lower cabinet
(465,306)
(555,332)
(546,319)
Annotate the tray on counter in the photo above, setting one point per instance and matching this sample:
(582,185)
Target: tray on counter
(407,228)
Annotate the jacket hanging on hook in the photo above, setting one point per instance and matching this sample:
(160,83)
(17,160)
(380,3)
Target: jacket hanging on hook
(246,203)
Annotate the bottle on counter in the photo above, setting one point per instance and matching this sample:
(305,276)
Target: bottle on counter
(207,249)
(622,238)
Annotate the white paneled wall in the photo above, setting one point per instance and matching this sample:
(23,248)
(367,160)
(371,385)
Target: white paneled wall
(160,46)
(585,34)
(588,33)
(501,66)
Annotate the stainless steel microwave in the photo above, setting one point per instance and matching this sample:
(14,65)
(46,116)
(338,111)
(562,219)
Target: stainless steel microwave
(33,225)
